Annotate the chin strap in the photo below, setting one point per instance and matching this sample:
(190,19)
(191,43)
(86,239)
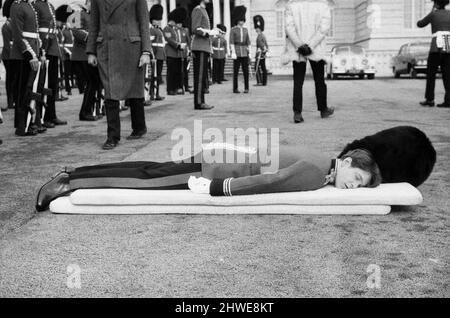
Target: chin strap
(331,177)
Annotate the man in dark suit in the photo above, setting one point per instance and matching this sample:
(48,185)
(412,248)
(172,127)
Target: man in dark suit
(201,49)
(120,60)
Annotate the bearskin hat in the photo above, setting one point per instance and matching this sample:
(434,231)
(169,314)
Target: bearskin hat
(258,22)
(238,14)
(156,12)
(222,28)
(178,15)
(63,12)
(403,154)
(7,7)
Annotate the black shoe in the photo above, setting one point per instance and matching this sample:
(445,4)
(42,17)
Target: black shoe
(159,98)
(109,144)
(204,107)
(224,80)
(61,99)
(206,91)
(427,103)
(69,93)
(56,187)
(148,103)
(443,105)
(298,118)
(246,91)
(30,132)
(1,121)
(4,109)
(171,93)
(41,129)
(48,124)
(327,113)
(180,92)
(137,134)
(123,108)
(258,84)
(1,141)
(236,91)
(88,117)
(59,122)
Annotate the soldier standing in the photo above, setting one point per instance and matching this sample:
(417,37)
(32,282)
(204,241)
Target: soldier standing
(240,48)
(201,49)
(26,54)
(10,75)
(66,45)
(186,54)
(157,38)
(48,36)
(220,51)
(174,52)
(261,51)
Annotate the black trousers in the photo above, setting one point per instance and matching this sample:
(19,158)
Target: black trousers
(23,98)
(135,175)
(200,76)
(434,61)
(90,91)
(218,70)
(244,61)
(113,119)
(319,80)
(174,74)
(50,113)
(68,75)
(11,76)
(261,72)
(80,76)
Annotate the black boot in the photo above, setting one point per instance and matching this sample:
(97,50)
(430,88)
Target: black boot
(56,187)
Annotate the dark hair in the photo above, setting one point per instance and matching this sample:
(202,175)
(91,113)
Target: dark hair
(364,160)
(441,3)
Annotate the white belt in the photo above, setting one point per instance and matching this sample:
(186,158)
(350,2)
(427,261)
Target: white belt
(68,45)
(47,30)
(158,44)
(218,48)
(30,35)
(440,33)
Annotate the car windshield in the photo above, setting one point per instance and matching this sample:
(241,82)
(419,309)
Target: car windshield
(341,50)
(419,48)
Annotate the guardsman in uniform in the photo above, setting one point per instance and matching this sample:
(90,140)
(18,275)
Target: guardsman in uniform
(26,51)
(65,44)
(6,52)
(174,52)
(61,15)
(47,33)
(261,51)
(220,51)
(186,54)
(240,47)
(157,38)
(201,49)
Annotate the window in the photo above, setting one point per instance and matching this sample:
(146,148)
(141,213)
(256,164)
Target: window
(280,24)
(413,11)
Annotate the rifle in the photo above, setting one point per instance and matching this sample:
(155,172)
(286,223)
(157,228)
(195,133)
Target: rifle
(154,80)
(34,96)
(257,70)
(46,92)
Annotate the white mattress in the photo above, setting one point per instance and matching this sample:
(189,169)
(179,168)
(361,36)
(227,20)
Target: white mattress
(385,194)
(64,206)
(328,200)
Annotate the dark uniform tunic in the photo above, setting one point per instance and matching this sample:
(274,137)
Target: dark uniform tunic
(220,51)
(174,55)
(239,37)
(201,49)
(48,35)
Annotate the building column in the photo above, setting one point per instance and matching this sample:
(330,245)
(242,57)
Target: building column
(216,9)
(165,13)
(227,16)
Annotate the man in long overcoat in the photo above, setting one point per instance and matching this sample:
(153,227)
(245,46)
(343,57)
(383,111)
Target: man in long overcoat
(119,43)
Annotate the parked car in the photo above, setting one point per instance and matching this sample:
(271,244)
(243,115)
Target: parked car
(350,60)
(411,59)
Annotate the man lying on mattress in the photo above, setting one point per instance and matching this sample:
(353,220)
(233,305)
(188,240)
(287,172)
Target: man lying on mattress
(400,154)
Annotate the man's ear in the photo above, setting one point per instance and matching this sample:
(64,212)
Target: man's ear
(347,162)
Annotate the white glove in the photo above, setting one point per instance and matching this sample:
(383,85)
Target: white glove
(214,32)
(233,56)
(199,185)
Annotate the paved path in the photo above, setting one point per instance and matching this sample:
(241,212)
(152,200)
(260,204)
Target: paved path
(274,256)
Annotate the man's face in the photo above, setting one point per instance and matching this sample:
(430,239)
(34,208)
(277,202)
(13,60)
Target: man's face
(156,23)
(348,177)
(258,30)
(180,25)
(241,23)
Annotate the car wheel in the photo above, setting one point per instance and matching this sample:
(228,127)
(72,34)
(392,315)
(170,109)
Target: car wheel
(396,74)
(334,76)
(371,76)
(361,76)
(413,72)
